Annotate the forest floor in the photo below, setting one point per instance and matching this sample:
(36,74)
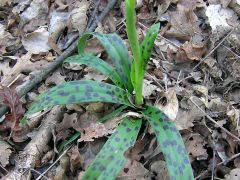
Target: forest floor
(193,76)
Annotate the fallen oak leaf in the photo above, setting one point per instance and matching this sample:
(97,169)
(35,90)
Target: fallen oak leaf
(10,98)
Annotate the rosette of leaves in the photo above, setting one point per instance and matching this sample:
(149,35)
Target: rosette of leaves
(126,74)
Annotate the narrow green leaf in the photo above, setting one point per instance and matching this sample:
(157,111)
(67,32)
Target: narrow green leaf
(110,160)
(137,72)
(148,43)
(113,114)
(97,63)
(171,144)
(69,141)
(117,52)
(76,92)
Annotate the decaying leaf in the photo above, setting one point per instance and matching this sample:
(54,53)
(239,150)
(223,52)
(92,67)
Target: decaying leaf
(6,39)
(190,51)
(233,175)
(79,15)
(5,152)
(170,107)
(76,159)
(195,146)
(148,88)
(37,41)
(10,98)
(133,170)
(37,10)
(183,22)
(23,65)
(94,130)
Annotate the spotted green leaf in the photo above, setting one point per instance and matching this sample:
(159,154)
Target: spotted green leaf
(110,160)
(97,63)
(117,52)
(76,92)
(148,43)
(171,144)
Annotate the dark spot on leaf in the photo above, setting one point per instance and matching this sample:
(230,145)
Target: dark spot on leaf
(62,93)
(117,139)
(96,95)
(128,130)
(89,88)
(72,98)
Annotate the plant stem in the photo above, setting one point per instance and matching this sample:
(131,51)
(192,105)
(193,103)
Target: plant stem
(137,78)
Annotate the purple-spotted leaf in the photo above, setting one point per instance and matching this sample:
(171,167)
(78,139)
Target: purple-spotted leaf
(148,43)
(110,160)
(117,52)
(171,144)
(97,63)
(76,92)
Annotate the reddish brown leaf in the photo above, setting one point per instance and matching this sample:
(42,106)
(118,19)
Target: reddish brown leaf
(10,98)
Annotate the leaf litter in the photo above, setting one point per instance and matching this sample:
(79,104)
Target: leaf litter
(35,32)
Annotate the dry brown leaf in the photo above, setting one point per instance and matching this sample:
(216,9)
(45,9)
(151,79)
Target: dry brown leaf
(233,175)
(171,106)
(62,168)
(79,15)
(6,39)
(133,170)
(183,23)
(160,169)
(5,152)
(220,17)
(55,79)
(195,146)
(76,160)
(37,10)
(37,41)
(94,130)
(148,88)
(23,65)
(190,52)
(57,24)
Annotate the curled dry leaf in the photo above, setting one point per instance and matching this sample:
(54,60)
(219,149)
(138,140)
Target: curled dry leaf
(170,107)
(10,98)
(58,22)
(37,41)
(189,51)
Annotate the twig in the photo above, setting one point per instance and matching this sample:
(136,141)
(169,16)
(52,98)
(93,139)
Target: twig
(229,159)
(215,122)
(42,174)
(38,173)
(39,77)
(200,62)
(93,15)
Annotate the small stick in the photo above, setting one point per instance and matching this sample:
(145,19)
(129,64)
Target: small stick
(200,62)
(211,119)
(229,159)
(42,174)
